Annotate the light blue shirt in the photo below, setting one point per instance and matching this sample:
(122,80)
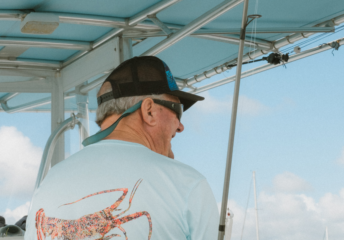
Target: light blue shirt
(171,201)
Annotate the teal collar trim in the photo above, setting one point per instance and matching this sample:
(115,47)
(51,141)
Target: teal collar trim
(106,132)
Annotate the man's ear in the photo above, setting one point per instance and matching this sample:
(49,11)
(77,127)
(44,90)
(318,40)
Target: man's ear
(149,112)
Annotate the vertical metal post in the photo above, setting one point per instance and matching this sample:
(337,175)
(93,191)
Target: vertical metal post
(57,117)
(83,113)
(126,49)
(255,203)
(232,126)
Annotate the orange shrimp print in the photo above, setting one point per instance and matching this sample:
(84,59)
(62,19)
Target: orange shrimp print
(91,226)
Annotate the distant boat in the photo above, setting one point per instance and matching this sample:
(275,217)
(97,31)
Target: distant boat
(230,215)
(255,207)
(326,233)
(229,225)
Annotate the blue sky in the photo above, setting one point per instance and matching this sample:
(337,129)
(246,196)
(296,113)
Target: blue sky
(299,129)
(290,131)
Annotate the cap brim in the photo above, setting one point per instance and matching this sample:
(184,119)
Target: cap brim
(187,99)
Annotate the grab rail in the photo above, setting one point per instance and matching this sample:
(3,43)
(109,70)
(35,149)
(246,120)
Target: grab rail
(8,96)
(50,146)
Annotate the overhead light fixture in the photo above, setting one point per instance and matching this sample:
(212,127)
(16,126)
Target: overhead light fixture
(252,17)
(39,23)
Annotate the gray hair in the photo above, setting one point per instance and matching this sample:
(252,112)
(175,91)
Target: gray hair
(119,105)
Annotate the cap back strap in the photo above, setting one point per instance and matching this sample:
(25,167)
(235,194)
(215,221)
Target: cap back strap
(105,97)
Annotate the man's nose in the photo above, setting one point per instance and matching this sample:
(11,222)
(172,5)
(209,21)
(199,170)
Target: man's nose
(180,127)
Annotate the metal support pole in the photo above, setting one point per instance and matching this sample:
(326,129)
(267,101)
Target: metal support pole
(232,126)
(50,146)
(82,103)
(255,203)
(192,26)
(126,49)
(151,10)
(57,117)
(160,24)
(90,86)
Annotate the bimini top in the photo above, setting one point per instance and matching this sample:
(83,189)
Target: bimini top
(70,42)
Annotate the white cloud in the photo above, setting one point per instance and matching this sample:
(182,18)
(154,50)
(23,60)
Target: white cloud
(212,105)
(340,160)
(12,216)
(19,161)
(250,106)
(289,182)
(333,206)
(285,216)
(246,106)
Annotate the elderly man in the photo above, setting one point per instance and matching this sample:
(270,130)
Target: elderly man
(124,183)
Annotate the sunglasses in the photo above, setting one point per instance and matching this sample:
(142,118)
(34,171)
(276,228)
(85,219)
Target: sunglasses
(178,108)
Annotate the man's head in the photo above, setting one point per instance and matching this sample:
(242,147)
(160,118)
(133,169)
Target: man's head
(131,89)
(152,121)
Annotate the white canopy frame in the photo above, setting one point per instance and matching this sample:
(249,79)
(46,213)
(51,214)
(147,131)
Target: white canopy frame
(125,28)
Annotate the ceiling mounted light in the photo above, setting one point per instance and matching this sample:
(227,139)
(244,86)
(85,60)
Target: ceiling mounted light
(252,17)
(39,23)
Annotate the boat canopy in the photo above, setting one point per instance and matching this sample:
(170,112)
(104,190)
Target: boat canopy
(66,44)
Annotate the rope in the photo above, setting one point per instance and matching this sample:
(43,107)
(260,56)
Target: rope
(254,29)
(248,200)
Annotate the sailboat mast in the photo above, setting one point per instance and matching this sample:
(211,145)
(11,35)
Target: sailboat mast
(255,203)
(326,233)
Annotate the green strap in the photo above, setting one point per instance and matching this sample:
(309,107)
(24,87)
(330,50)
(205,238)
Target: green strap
(106,132)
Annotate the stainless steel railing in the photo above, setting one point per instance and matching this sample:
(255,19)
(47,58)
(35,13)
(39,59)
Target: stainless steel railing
(50,146)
